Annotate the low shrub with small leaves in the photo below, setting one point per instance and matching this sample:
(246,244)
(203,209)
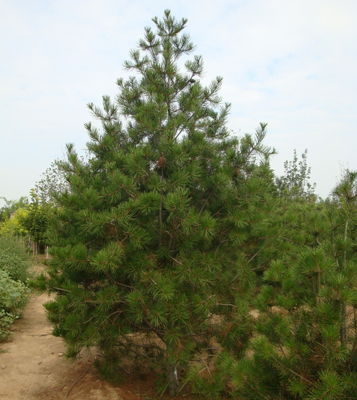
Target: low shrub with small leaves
(13,258)
(13,296)
(14,263)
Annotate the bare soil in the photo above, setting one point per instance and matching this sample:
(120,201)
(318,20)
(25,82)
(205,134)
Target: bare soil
(33,366)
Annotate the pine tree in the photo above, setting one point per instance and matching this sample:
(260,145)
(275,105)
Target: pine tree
(146,236)
(300,340)
(343,244)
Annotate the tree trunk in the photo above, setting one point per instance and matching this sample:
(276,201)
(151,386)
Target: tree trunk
(343,316)
(173,381)
(343,328)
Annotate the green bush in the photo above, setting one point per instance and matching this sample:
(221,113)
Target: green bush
(13,258)
(14,262)
(13,296)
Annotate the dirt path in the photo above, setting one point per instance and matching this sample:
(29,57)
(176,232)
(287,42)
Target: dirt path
(32,365)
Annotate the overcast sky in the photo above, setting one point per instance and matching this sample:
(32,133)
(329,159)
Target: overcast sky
(291,64)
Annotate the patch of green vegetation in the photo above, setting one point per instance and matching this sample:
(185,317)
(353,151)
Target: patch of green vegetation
(13,295)
(14,263)
(14,258)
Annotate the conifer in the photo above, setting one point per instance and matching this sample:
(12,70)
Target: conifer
(300,338)
(146,236)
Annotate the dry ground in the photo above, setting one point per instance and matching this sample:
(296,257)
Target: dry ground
(32,365)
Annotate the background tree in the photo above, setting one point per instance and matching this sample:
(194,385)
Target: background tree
(146,236)
(13,224)
(343,242)
(35,222)
(51,184)
(295,182)
(10,206)
(301,341)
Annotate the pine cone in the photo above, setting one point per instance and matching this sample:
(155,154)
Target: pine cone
(161,162)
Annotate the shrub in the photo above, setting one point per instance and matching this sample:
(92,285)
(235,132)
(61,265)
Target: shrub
(13,258)
(13,225)
(13,296)
(14,262)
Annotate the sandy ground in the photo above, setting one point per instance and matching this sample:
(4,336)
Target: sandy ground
(33,367)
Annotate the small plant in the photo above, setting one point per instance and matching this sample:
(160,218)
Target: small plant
(13,258)
(13,296)
(14,262)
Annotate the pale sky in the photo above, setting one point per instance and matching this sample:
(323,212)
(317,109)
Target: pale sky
(291,64)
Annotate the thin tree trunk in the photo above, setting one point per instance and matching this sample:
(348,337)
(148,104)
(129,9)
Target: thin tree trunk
(354,347)
(318,284)
(343,329)
(343,316)
(173,381)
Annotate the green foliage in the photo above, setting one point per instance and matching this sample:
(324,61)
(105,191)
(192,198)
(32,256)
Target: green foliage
(50,185)
(13,258)
(303,342)
(146,238)
(13,225)
(10,207)
(35,221)
(13,296)
(29,219)
(171,224)
(295,183)
(14,263)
